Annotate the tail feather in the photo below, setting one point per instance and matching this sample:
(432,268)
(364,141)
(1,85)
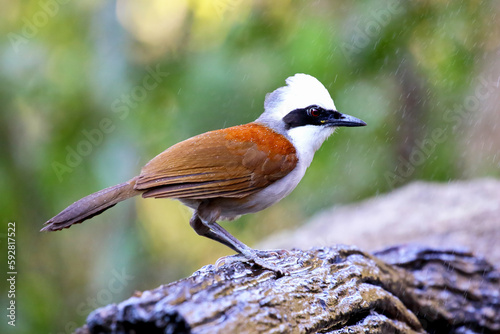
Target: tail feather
(91,206)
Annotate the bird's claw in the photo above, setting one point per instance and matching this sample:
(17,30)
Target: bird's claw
(259,258)
(272,253)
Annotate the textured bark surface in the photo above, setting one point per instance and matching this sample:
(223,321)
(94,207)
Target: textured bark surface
(329,290)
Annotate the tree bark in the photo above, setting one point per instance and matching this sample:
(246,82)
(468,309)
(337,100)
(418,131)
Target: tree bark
(340,289)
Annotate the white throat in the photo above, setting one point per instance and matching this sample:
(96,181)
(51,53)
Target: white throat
(307,140)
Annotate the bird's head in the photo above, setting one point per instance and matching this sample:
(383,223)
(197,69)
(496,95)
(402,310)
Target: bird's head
(304,111)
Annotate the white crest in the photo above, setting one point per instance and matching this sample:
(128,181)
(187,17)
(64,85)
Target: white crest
(302,90)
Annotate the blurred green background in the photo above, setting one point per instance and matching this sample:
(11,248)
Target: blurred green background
(91,90)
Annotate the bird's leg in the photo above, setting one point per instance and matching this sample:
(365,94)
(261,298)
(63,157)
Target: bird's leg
(205,231)
(214,231)
(247,252)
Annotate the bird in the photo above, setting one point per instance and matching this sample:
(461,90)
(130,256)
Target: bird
(226,173)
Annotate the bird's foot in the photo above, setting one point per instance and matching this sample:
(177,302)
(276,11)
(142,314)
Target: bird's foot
(278,253)
(264,259)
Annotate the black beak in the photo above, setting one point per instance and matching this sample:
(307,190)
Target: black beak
(338,119)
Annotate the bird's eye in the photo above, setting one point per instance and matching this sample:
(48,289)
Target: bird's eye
(313,111)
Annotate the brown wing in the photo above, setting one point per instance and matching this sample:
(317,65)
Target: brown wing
(233,162)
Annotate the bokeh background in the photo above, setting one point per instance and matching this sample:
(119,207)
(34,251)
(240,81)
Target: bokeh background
(91,90)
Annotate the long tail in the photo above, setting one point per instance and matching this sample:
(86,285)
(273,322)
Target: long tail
(91,206)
